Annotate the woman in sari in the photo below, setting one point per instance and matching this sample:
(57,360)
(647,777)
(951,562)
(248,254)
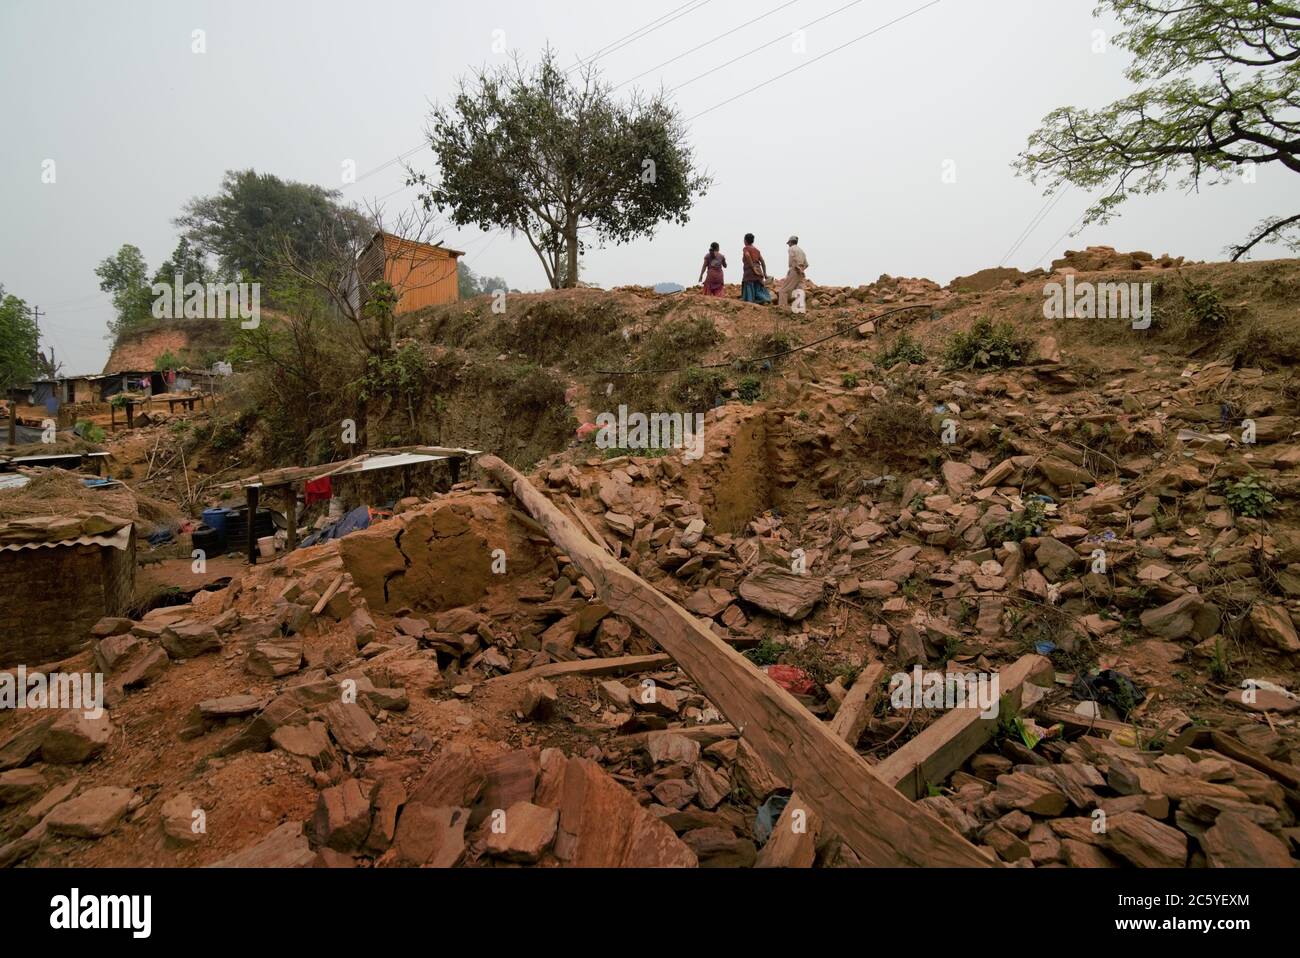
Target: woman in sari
(711,271)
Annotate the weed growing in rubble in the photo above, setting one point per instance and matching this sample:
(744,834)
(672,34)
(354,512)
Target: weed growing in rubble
(1203,300)
(985,345)
(904,349)
(1249,497)
(1220,669)
(849,380)
(698,389)
(1023,524)
(750,389)
(767,652)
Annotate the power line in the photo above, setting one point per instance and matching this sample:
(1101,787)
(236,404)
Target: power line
(764,46)
(701,46)
(1035,221)
(822,56)
(640,32)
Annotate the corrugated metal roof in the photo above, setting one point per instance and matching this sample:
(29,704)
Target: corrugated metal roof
(118,540)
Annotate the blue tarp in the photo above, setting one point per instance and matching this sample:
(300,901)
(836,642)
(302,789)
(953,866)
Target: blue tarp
(358,518)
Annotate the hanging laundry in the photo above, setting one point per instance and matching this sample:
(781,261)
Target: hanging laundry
(319,490)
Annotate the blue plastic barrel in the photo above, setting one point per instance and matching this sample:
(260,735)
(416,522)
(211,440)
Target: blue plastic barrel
(216,520)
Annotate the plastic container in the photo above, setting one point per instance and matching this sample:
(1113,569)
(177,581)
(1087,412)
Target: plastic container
(266,546)
(215,519)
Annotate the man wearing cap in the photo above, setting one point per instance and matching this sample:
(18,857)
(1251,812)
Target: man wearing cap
(794,278)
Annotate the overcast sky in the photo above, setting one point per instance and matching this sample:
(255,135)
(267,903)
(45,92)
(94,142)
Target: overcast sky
(849,151)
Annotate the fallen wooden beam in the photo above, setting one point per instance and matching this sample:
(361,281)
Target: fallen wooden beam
(324,600)
(955,736)
(878,823)
(793,843)
(618,665)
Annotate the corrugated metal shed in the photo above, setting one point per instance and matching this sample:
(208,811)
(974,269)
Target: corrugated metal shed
(425,274)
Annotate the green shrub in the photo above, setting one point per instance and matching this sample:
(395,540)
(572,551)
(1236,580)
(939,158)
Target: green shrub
(849,380)
(1249,497)
(698,389)
(1021,525)
(904,349)
(1206,307)
(750,389)
(986,346)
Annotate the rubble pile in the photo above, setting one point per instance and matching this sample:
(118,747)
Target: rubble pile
(1111,536)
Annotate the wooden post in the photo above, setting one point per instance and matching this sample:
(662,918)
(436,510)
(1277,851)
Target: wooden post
(250,497)
(291,517)
(878,823)
(454,462)
(793,847)
(406,481)
(13,422)
(130,415)
(958,734)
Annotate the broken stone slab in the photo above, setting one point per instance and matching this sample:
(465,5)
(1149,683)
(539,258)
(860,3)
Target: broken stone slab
(521,833)
(1273,627)
(115,649)
(1174,620)
(386,802)
(74,738)
(430,836)
(342,817)
(310,741)
(178,819)
(1234,841)
(22,747)
(92,814)
(601,825)
(20,784)
(190,639)
(717,847)
(286,846)
(540,700)
(671,747)
(353,729)
(782,592)
(38,810)
(1145,842)
(276,658)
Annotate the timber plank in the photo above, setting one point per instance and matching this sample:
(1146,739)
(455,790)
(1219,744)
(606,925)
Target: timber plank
(882,826)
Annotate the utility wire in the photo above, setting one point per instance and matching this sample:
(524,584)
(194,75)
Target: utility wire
(763,46)
(701,46)
(822,56)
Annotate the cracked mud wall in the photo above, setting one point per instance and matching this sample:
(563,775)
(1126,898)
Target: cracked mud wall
(440,556)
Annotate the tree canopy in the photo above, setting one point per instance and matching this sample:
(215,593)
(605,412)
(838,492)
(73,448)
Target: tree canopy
(470,283)
(556,157)
(1219,93)
(19,339)
(126,276)
(245,222)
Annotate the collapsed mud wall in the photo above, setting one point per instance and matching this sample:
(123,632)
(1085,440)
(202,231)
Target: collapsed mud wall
(441,556)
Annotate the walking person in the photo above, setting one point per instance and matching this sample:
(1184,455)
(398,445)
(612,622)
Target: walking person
(711,271)
(794,278)
(754,273)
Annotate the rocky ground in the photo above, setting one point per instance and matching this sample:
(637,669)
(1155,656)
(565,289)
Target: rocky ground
(1111,519)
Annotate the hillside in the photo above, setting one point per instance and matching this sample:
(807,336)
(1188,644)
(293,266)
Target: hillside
(905,476)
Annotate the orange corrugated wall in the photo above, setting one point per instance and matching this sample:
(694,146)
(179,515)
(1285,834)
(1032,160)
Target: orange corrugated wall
(428,273)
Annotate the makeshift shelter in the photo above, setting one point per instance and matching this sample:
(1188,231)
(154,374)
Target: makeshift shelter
(59,576)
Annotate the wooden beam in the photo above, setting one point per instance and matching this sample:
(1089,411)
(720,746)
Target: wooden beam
(614,666)
(324,600)
(291,518)
(251,495)
(793,843)
(955,736)
(878,823)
